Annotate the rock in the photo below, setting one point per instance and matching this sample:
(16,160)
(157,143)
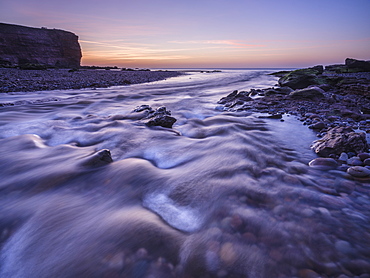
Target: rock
(230,99)
(37,48)
(273,116)
(160,117)
(143,108)
(277,91)
(355,161)
(308,93)
(100,158)
(322,163)
(228,254)
(363,156)
(340,139)
(343,157)
(358,171)
(302,78)
(367,162)
(343,247)
(357,64)
(164,121)
(319,125)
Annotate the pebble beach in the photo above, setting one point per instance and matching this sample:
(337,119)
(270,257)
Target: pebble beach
(16,80)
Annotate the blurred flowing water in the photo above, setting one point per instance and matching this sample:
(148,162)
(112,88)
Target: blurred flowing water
(220,195)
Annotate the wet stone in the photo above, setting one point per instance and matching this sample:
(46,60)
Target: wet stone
(354,161)
(358,171)
(343,247)
(322,163)
(100,158)
(319,125)
(343,157)
(363,156)
(228,253)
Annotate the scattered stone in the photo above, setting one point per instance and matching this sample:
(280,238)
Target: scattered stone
(343,157)
(343,247)
(322,163)
(100,158)
(273,116)
(228,253)
(363,156)
(358,171)
(319,126)
(233,98)
(355,161)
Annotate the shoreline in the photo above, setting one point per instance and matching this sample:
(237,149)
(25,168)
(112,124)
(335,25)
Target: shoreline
(18,80)
(334,105)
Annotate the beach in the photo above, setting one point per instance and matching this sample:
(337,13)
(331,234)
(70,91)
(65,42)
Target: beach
(17,80)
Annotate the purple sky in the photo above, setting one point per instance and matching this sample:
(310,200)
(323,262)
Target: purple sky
(205,33)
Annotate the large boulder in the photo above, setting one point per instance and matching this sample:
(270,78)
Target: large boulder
(37,47)
(339,140)
(302,78)
(308,93)
(357,64)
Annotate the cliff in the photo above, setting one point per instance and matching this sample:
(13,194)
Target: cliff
(20,45)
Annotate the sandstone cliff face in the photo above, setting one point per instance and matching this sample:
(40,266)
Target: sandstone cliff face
(21,45)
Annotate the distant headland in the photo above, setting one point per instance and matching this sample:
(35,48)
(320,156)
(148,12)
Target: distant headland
(38,47)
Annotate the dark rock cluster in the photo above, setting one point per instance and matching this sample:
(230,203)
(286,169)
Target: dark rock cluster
(159,117)
(335,102)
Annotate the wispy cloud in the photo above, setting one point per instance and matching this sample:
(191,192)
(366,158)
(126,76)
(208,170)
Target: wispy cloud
(221,43)
(122,50)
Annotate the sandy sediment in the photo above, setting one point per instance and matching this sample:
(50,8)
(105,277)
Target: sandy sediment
(16,80)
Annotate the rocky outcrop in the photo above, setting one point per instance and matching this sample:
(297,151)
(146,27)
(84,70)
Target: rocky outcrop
(302,78)
(339,140)
(20,46)
(357,64)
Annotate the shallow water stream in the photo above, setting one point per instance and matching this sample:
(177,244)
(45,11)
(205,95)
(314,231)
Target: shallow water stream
(219,195)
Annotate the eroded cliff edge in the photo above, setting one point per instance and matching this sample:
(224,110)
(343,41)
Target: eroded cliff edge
(21,45)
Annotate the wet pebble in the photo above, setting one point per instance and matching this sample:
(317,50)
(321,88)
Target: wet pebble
(343,247)
(358,171)
(228,253)
(324,211)
(363,156)
(308,212)
(322,163)
(355,161)
(343,157)
(319,125)
(367,162)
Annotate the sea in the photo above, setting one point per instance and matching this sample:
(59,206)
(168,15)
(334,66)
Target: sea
(88,190)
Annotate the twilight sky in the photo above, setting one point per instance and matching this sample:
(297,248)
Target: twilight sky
(205,33)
